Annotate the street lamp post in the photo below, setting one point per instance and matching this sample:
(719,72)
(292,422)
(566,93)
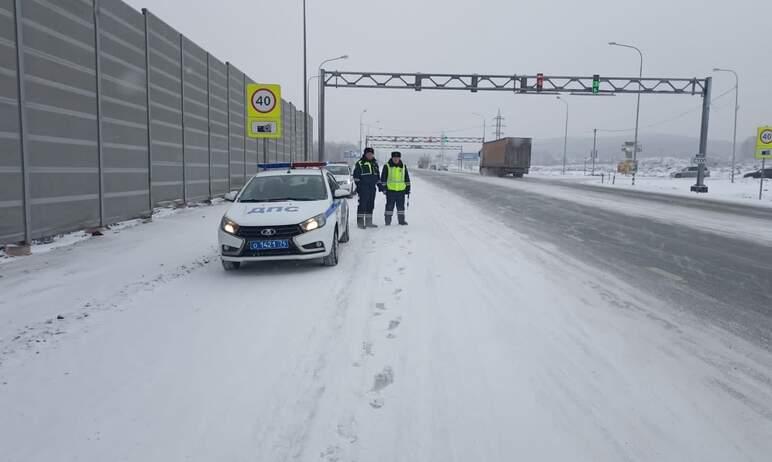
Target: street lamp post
(637,106)
(565,137)
(305,90)
(736,110)
(369,126)
(308,90)
(361,128)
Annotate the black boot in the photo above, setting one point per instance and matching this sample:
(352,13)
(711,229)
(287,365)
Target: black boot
(401,219)
(361,221)
(387,220)
(369,222)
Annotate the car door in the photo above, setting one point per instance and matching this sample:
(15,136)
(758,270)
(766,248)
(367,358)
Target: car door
(340,213)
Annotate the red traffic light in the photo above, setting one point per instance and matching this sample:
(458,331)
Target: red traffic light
(539,81)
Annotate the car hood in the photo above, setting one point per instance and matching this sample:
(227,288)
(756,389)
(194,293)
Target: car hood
(275,213)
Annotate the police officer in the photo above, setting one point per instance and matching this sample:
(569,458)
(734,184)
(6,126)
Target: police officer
(395,182)
(366,179)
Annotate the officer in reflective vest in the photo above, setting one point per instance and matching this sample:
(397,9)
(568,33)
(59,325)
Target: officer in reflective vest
(395,182)
(366,179)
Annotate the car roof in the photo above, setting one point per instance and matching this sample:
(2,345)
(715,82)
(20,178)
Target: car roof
(294,172)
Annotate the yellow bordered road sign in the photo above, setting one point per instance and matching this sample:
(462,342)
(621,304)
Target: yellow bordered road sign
(764,142)
(263,110)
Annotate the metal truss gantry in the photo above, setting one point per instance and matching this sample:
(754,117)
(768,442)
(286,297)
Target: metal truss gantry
(419,146)
(424,139)
(537,84)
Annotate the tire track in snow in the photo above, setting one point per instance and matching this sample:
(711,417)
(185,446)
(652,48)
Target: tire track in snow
(48,333)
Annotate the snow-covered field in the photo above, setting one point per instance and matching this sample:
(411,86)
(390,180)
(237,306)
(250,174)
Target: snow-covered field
(473,343)
(743,190)
(647,167)
(655,177)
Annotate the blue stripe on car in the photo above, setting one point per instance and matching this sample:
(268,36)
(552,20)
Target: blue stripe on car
(331,209)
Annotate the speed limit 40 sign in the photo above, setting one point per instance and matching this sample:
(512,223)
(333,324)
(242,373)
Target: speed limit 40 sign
(764,142)
(263,110)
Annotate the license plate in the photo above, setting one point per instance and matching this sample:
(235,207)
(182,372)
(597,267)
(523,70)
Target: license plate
(269,245)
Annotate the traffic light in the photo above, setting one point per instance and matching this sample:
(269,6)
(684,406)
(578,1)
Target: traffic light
(539,81)
(595,84)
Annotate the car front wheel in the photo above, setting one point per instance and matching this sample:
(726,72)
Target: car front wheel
(332,258)
(231,265)
(345,236)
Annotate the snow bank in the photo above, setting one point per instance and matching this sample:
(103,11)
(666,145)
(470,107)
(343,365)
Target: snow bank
(68,239)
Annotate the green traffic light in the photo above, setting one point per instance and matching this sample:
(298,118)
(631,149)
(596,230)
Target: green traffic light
(595,84)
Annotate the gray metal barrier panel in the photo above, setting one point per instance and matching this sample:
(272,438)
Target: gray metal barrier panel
(281,143)
(60,111)
(271,151)
(251,156)
(312,154)
(291,132)
(112,112)
(218,126)
(261,144)
(196,121)
(236,125)
(299,134)
(165,110)
(11,187)
(123,111)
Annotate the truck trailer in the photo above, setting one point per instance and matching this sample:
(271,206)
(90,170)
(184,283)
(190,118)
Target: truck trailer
(507,156)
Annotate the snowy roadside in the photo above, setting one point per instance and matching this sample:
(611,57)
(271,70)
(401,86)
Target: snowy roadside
(65,281)
(68,239)
(743,191)
(732,225)
(455,338)
(656,178)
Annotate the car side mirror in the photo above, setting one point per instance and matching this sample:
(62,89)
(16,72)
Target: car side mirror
(340,193)
(231,196)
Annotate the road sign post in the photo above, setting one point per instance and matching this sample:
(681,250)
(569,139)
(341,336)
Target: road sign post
(763,151)
(263,110)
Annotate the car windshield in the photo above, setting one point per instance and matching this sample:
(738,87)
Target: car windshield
(338,169)
(285,188)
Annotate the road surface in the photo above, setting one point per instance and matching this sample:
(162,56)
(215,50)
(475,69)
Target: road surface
(723,279)
(478,332)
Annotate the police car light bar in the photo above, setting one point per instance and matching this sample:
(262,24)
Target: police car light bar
(290,165)
(274,166)
(309,164)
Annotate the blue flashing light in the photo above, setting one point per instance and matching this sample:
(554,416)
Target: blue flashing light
(274,165)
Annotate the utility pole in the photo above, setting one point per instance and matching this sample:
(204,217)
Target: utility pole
(594,149)
(361,128)
(565,137)
(499,125)
(442,148)
(736,110)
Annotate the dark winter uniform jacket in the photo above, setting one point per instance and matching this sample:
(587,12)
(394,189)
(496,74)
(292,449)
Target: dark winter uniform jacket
(366,173)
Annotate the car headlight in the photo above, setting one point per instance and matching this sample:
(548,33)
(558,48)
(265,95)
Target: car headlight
(314,223)
(229,226)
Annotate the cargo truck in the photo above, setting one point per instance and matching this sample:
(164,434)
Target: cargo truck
(507,156)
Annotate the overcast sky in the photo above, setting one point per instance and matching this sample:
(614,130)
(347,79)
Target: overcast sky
(679,38)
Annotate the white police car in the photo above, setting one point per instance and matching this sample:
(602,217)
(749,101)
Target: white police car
(286,211)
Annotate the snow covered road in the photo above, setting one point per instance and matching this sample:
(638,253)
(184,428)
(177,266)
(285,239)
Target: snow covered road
(457,338)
